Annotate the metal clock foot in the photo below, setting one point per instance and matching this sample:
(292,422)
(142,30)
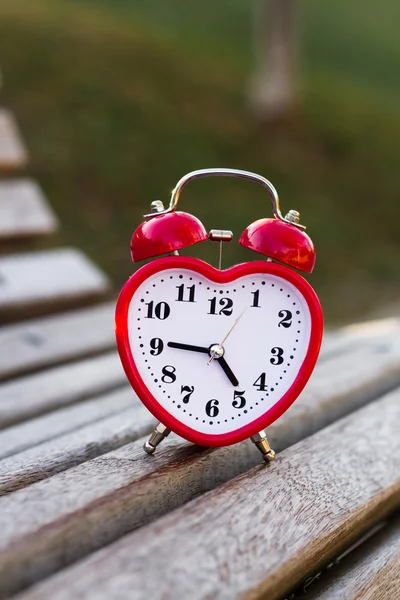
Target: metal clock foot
(160,432)
(260,440)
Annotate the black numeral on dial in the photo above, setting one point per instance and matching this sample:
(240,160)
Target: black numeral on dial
(256,299)
(277,356)
(225,304)
(212,409)
(286,317)
(185,297)
(160,310)
(168,374)
(261,383)
(188,391)
(157,346)
(239,401)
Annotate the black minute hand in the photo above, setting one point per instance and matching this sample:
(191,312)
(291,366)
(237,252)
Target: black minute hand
(202,349)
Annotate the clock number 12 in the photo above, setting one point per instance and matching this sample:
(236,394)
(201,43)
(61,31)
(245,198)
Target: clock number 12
(226,305)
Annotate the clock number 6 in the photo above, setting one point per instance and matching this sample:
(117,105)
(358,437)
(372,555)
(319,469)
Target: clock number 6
(212,409)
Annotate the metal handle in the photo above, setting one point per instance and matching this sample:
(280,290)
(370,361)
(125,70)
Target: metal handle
(176,192)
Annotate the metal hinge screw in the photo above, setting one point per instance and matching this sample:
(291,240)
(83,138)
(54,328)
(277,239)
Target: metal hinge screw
(293,216)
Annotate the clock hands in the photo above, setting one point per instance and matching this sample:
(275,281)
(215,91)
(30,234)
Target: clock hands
(229,333)
(216,351)
(228,371)
(202,349)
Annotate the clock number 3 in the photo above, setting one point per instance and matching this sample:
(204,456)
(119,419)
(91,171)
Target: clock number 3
(277,356)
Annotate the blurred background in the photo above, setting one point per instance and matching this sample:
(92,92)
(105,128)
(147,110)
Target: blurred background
(117,99)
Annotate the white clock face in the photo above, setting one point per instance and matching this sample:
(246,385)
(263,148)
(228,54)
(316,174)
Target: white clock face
(259,330)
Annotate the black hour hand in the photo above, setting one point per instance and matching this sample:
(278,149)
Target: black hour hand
(228,371)
(180,346)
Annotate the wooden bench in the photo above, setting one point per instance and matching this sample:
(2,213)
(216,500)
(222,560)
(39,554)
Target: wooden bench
(84,513)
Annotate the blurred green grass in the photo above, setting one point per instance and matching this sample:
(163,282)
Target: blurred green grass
(117,100)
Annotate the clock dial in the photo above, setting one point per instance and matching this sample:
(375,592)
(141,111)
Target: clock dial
(218,357)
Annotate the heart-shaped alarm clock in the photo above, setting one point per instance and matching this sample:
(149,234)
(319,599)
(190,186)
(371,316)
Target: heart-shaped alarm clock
(218,355)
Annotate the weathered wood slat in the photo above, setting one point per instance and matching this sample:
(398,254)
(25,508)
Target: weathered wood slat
(36,431)
(83,508)
(32,283)
(371,372)
(352,336)
(371,572)
(24,212)
(13,154)
(258,535)
(28,346)
(75,447)
(33,395)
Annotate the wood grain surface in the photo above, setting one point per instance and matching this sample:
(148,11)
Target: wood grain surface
(34,344)
(258,535)
(350,337)
(13,154)
(75,447)
(37,282)
(24,212)
(371,572)
(83,508)
(33,395)
(47,427)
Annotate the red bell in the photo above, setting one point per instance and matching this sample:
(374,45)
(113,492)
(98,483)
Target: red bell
(280,241)
(166,233)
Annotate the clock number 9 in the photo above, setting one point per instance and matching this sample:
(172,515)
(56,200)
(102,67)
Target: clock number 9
(157,346)
(239,401)
(212,409)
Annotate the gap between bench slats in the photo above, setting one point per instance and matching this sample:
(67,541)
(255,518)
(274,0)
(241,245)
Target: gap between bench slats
(31,433)
(33,395)
(371,572)
(37,282)
(350,337)
(83,508)
(34,344)
(261,533)
(13,154)
(75,447)
(24,212)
